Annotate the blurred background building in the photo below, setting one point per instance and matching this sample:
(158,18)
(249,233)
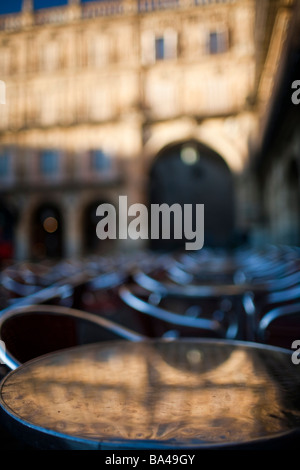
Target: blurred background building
(160,100)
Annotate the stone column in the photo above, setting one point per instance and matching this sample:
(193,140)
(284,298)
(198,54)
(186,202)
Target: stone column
(22,230)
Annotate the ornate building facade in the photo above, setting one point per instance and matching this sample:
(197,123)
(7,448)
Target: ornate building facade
(154,99)
(276,165)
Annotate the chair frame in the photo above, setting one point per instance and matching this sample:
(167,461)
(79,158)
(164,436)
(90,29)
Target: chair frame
(144,307)
(274,314)
(12,363)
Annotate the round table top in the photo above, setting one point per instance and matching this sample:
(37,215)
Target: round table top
(154,394)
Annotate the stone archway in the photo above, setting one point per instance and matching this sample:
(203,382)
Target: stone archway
(46,232)
(192,173)
(7,232)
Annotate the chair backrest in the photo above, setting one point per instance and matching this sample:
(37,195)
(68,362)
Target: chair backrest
(198,326)
(257,305)
(285,282)
(34,330)
(201,291)
(291,294)
(280,326)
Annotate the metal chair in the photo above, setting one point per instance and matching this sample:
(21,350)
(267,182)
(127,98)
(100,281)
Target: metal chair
(34,330)
(208,297)
(168,323)
(280,326)
(257,305)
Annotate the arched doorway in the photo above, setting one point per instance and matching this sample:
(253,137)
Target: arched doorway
(7,227)
(47,232)
(191,173)
(91,243)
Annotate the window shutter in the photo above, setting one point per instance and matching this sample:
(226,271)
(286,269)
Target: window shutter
(171,39)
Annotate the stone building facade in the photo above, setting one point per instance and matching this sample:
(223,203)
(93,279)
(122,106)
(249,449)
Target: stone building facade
(275,163)
(98,93)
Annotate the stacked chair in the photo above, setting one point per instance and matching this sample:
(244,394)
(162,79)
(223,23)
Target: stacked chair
(244,295)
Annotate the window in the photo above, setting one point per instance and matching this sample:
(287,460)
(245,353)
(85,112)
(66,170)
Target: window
(2,92)
(100,161)
(4,164)
(98,49)
(166,45)
(49,162)
(50,56)
(217,42)
(159,48)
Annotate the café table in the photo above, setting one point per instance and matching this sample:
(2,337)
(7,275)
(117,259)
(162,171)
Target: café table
(155,394)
